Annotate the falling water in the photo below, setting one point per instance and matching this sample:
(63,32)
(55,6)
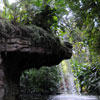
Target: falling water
(72,88)
(70,93)
(67,79)
(63,79)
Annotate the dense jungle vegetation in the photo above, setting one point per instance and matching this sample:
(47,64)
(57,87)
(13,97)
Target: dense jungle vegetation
(76,21)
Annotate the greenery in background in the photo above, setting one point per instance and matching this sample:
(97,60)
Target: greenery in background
(88,75)
(77,21)
(44,80)
(36,12)
(87,17)
(86,60)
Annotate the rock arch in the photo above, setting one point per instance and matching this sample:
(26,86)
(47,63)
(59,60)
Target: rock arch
(25,47)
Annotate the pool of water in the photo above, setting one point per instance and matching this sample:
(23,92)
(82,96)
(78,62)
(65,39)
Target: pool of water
(74,97)
(59,97)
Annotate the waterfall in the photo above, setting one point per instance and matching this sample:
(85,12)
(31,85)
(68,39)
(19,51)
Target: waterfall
(72,88)
(63,79)
(67,78)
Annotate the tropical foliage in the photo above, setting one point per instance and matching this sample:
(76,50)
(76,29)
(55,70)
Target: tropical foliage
(87,65)
(44,80)
(77,21)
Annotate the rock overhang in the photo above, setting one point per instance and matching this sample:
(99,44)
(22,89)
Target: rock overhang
(31,45)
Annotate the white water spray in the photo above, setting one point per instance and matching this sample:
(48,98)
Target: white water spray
(67,78)
(72,88)
(63,79)
(70,93)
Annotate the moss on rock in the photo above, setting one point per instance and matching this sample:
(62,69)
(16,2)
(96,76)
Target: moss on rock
(36,35)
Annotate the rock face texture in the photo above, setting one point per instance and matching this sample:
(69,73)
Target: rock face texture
(25,47)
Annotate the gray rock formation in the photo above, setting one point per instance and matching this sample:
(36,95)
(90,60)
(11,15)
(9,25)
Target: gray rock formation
(25,47)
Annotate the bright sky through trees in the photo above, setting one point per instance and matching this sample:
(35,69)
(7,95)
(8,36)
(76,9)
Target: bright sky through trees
(2,5)
(12,1)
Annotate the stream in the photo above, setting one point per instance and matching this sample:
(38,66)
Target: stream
(59,97)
